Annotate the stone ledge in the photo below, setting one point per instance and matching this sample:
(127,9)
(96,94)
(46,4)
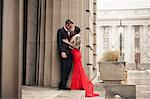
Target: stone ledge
(73,94)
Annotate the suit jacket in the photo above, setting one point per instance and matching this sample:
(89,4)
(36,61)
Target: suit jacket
(62,34)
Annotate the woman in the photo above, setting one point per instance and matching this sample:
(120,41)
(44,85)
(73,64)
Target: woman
(79,78)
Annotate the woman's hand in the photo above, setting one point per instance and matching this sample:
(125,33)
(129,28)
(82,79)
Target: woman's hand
(65,41)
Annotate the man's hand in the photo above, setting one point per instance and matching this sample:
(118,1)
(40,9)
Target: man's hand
(63,55)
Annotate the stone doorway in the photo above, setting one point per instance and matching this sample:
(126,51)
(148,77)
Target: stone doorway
(33,42)
(31,36)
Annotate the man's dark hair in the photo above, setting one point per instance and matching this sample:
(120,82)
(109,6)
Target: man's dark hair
(77,30)
(68,21)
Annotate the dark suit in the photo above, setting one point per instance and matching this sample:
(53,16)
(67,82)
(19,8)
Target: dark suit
(66,63)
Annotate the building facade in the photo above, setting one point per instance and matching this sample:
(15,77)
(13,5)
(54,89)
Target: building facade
(28,48)
(135,32)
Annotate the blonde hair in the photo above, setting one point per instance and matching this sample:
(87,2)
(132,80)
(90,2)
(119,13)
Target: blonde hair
(76,41)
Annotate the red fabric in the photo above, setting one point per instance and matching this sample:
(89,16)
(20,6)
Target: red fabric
(79,78)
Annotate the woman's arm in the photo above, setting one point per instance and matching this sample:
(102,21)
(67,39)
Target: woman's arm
(72,45)
(67,42)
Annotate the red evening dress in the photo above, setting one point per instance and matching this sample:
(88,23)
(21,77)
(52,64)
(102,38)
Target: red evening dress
(80,80)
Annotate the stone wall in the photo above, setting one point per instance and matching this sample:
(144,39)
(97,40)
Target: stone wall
(81,11)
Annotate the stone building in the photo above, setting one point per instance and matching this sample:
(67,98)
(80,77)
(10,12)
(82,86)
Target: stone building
(135,34)
(28,49)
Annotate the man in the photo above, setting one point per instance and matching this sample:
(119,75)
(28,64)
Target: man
(65,53)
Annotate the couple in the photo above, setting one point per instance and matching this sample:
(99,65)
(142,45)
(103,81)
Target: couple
(69,43)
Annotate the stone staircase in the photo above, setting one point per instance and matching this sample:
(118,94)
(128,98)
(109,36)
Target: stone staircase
(51,93)
(143,91)
(34,92)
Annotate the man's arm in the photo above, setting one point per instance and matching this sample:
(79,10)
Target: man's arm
(60,44)
(59,41)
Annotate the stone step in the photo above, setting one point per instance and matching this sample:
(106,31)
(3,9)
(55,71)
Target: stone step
(143,96)
(139,81)
(143,91)
(71,94)
(143,88)
(99,89)
(51,93)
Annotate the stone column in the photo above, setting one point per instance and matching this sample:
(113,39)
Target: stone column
(64,10)
(144,44)
(95,64)
(127,44)
(80,23)
(132,45)
(88,38)
(117,34)
(72,10)
(10,49)
(31,42)
(112,38)
(1,11)
(21,17)
(42,42)
(1,7)
(56,22)
(94,48)
(48,43)
(80,11)
(100,43)
(94,34)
